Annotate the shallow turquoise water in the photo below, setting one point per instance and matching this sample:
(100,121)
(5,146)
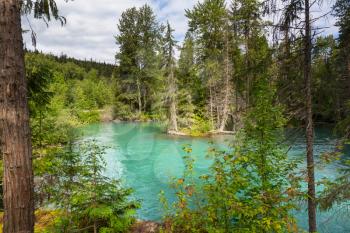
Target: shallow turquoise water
(146,159)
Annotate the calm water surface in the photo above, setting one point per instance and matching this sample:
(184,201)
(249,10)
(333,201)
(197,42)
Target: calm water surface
(146,159)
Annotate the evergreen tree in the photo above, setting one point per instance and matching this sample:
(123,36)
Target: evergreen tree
(207,22)
(101,202)
(327,99)
(337,191)
(139,35)
(294,11)
(246,19)
(342,12)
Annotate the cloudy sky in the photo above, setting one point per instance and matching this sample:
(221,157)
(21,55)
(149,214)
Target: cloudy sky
(92,25)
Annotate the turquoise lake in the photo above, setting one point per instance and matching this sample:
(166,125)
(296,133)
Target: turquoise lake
(146,159)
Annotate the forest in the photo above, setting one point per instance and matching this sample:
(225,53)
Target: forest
(238,74)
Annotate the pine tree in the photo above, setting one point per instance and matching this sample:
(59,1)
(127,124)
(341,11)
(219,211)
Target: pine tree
(138,39)
(342,12)
(101,202)
(246,17)
(293,12)
(207,22)
(190,87)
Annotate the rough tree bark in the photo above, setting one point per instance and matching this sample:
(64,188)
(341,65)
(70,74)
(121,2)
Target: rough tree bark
(227,74)
(247,63)
(211,106)
(172,92)
(14,124)
(309,122)
(139,100)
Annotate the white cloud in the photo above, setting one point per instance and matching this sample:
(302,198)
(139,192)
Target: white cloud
(92,25)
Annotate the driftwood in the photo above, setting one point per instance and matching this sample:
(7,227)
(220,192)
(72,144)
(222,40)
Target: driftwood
(222,132)
(178,133)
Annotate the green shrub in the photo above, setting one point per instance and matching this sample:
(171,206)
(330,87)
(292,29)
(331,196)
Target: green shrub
(200,126)
(88,116)
(251,188)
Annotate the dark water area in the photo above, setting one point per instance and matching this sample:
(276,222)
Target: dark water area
(146,159)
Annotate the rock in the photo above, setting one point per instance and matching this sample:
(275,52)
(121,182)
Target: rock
(117,121)
(145,227)
(106,115)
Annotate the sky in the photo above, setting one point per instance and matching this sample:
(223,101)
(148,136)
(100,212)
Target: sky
(92,25)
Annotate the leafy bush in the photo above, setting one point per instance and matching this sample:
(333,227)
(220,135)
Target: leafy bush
(199,127)
(88,116)
(250,188)
(87,198)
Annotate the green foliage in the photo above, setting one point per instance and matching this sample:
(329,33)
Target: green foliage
(139,60)
(102,202)
(187,73)
(252,186)
(87,198)
(342,12)
(63,96)
(42,9)
(199,126)
(250,189)
(337,192)
(39,73)
(65,91)
(326,82)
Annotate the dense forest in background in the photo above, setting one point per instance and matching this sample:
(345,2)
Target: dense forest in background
(235,73)
(208,87)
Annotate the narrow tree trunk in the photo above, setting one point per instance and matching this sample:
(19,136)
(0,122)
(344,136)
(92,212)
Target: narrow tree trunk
(211,107)
(237,105)
(247,68)
(227,85)
(217,110)
(15,134)
(309,122)
(95,227)
(94,195)
(139,96)
(144,108)
(173,114)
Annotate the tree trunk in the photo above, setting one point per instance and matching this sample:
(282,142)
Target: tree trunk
(227,86)
(139,96)
(309,122)
(14,124)
(247,68)
(237,104)
(211,107)
(172,93)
